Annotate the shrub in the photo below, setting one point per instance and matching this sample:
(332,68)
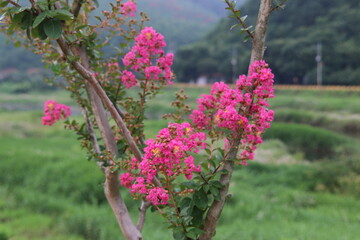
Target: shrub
(316,143)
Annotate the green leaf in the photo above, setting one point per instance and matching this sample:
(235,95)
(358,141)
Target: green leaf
(56,68)
(3,4)
(17,44)
(17,18)
(189,184)
(200,199)
(53,28)
(246,38)
(18,9)
(234,26)
(215,192)
(194,233)
(223,171)
(98,18)
(216,184)
(43,4)
(26,20)
(41,32)
(198,216)
(178,234)
(61,14)
(185,202)
(28,33)
(40,18)
(35,32)
(244,18)
(2,16)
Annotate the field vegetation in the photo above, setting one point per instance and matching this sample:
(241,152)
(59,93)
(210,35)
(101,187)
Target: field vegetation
(304,183)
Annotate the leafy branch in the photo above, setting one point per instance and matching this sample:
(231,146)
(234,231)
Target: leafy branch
(279,5)
(237,15)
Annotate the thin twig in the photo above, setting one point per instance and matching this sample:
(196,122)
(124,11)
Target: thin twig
(278,6)
(13,3)
(232,9)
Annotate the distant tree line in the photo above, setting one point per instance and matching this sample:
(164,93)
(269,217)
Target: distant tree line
(291,45)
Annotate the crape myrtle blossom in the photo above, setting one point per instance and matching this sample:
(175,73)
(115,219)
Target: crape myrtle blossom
(167,156)
(242,110)
(147,56)
(129,9)
(128,79)
(54,111)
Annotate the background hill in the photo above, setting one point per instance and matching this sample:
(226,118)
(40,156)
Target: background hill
(291,44)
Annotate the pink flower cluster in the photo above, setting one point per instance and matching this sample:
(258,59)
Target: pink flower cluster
(129,9)
(149,46)
(168,156)
(128,78)
(53,112)
(242,110)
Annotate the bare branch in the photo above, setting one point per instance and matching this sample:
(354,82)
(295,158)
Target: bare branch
(258,47)
(93,137)
(90,128)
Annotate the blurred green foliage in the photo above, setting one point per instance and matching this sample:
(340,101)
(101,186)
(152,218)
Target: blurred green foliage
(291,44)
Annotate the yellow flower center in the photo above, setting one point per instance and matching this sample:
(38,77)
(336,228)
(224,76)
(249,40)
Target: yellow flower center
(176,148)
(148,35)
(50,106)
(156,152)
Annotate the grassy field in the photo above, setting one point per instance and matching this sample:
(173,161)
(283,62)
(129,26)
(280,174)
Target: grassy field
(304,184)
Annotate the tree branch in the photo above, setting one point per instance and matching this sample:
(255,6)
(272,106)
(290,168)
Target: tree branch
(278,6)
(142,213)
(257,53)
(239,18)
(111,185)
(89,76)
(76,7)
(13,3)
(258,47)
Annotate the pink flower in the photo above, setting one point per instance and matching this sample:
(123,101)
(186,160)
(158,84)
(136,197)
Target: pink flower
(167,156)
(158,196)
(152,72)
(128,78)
(54,111)
(240,110)
(126,180)
(147,57)
(129,9)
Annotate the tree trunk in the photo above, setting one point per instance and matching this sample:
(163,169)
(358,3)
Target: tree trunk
(257,53)
(111,185)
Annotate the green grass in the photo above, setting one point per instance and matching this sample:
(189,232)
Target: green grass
(348,124)
(315,143)
(48,190)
